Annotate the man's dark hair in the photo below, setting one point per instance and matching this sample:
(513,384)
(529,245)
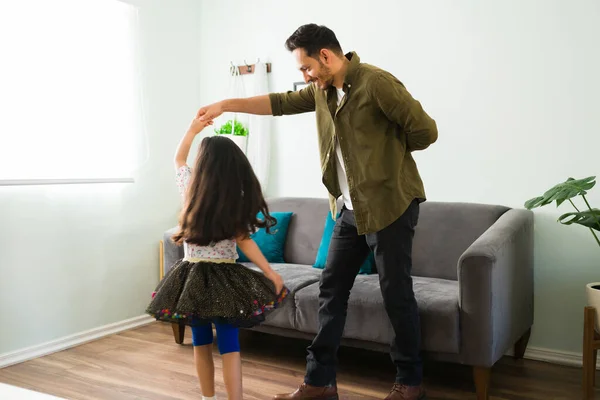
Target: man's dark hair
(312,38)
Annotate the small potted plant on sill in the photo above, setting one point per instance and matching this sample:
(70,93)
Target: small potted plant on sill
(589,218)
(236,132)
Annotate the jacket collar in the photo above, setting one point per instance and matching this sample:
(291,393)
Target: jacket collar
(352,67)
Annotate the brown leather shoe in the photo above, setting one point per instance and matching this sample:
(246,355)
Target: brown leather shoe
(307,392)
(403,392)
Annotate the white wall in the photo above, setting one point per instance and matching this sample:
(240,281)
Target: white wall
(513,86)
(74,258)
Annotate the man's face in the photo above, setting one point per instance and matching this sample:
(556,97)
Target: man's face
(314,69)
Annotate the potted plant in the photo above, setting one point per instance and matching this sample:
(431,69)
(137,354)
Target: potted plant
(589,218)
(237,131)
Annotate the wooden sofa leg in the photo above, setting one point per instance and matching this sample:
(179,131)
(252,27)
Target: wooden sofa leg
(594,362)
(481,375)
(521,345)
(178,331)
(591,343)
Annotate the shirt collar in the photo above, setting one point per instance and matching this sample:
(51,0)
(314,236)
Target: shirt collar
(352,67)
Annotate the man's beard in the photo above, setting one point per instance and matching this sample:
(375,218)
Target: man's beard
(325,78)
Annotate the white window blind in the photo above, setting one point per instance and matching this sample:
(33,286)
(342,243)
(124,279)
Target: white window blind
(70,104)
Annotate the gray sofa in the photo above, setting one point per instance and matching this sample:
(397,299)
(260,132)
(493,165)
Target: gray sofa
(473,279)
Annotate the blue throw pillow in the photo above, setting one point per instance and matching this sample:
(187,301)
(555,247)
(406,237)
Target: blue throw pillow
(273,244)
(365,269)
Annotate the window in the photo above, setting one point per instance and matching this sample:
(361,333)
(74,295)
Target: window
(70,104)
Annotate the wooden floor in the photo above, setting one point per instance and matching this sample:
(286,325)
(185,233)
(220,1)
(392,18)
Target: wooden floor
(145,363)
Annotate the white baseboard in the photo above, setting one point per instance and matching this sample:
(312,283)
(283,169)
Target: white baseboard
(560,357)
(67,342)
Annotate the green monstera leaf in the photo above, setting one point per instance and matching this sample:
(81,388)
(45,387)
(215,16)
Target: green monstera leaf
(563,192)
(588,218)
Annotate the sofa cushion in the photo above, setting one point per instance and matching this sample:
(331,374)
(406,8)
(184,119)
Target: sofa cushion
(295,277)
(321,260)
(367,319)
(444,231)
(271,244)
(306,227)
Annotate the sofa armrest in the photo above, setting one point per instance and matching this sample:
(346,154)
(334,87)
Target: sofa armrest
(171,251)
(495,277)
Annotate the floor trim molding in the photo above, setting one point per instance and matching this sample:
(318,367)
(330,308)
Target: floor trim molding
(67,342)
(560,357)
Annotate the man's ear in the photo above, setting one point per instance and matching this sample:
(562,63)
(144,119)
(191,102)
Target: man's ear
(325,56)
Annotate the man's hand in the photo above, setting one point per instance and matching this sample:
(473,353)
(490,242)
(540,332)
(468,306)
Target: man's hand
(210,112)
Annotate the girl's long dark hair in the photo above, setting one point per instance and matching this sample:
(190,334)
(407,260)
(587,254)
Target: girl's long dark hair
(223,196)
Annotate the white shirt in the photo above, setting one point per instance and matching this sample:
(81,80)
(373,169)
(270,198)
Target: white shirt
(341,168)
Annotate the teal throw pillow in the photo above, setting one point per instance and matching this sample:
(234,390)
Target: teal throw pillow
(271,244)
(365,269)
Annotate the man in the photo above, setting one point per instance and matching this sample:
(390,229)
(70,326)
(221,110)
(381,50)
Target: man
(368,125)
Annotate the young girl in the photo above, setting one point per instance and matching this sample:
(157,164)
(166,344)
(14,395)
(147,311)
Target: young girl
(222,198)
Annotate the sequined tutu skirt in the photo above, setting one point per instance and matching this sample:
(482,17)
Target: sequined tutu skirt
(205,292)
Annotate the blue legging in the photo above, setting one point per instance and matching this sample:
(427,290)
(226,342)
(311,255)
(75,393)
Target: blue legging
(228,337)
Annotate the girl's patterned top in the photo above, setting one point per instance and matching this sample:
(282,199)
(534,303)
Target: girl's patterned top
(225,249)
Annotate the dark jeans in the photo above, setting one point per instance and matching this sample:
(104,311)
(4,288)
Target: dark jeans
(392,248)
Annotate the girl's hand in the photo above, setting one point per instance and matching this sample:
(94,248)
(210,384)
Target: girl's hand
(251,250)
(198,125)
(277,281)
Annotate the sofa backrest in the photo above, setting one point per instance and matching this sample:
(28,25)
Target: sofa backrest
(306,227)
(444,231)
